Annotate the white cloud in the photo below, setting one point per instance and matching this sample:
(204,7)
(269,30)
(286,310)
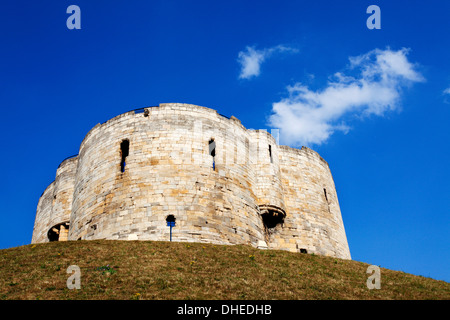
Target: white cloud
(251,59)
(308,117)
(446,94)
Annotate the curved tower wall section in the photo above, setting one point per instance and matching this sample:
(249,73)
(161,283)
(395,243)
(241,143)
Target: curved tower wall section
(268,189)
(168,171)
(313,218)
(43,212)
(63,194)
(55,205)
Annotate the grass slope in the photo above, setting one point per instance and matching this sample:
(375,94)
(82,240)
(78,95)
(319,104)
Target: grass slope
(171,270)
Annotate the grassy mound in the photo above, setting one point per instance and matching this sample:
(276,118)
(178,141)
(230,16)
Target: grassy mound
(182,271)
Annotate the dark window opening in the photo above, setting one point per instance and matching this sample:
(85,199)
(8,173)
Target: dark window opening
(302,250)
(326,200)
(270,153)
(53,234)
(212,152)
(124,150)
(272,218)
(58,232)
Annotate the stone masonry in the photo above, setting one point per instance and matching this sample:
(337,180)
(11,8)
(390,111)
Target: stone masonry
(222,183)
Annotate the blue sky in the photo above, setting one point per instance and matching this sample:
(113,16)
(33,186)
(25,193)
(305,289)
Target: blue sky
(373,103)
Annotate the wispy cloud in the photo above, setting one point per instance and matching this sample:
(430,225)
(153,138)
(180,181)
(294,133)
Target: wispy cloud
(446,94)
(251,59)
(308,117)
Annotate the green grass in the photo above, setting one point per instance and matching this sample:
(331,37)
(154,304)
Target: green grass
(184,271)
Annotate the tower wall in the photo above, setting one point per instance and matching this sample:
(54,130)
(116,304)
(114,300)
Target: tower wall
(168,171)
(63,194)
(55,205)
(136,169)
(43,212)
(313,218)
(268,188)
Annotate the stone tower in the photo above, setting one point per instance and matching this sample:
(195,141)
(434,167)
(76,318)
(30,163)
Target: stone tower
(219,181)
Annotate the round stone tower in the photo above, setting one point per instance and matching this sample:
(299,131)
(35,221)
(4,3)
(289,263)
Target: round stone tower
(221,182)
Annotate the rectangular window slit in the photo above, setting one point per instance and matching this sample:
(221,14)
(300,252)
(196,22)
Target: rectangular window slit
(124,151)
(212,152)
(270,153)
